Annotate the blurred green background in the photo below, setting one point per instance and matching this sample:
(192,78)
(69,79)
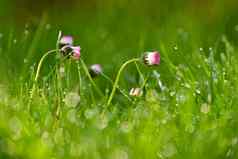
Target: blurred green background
(198,44)
(101,26)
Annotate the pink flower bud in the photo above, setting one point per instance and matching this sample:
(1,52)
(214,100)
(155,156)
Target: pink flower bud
(151,58)
(95,70)
(76,52)
(71,51)
(65,40)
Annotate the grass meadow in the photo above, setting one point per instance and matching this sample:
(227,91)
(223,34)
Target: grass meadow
(188,104)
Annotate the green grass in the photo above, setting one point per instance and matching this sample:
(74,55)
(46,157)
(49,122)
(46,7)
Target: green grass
(189,103)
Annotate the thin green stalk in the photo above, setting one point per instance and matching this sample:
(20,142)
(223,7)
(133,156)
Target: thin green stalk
(118,77)
(38,73)
(144,83)
(139,71)
(79,74)
(123,93)
(90,78)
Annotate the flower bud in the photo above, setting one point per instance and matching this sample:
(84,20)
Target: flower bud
(65,40)
(71,51)
(95,70)
(136,92)
(151,58)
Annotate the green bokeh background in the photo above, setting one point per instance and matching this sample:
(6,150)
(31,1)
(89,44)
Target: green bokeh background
(111,32)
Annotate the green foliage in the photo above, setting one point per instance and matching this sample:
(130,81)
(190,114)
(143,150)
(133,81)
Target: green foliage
(189,104)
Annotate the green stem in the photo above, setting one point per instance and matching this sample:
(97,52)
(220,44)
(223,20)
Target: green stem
(118,77)
(122,92)
(144,83)
(90,78)
(139,71)
(38,73)
(80,80)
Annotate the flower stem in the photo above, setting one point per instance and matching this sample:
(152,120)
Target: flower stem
(90,78)
(122,92)
(118,77)
(37,75)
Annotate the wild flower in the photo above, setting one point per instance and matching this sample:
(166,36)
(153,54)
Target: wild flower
(76,52)
(95,70)
(65,40)
(71,51)
(151,58)
(136,92)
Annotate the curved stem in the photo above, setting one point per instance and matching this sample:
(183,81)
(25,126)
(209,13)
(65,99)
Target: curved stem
(118,77)
(90,78)
(122,92)
(37,74)
(41,62)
